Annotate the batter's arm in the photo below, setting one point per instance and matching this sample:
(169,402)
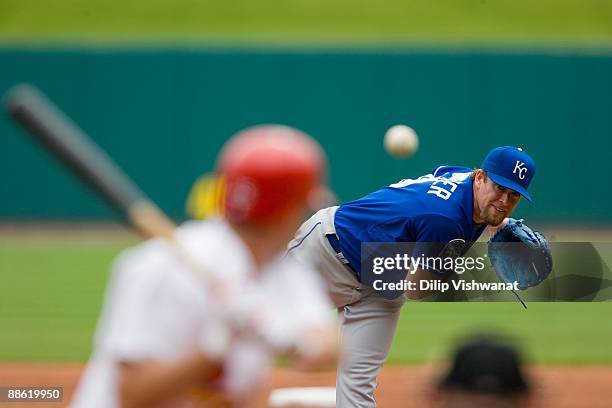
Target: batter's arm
(153,383)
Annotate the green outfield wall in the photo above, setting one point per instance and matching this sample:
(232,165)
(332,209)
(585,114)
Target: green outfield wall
(163,115)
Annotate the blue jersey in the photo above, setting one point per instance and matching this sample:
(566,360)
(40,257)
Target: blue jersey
(435,208)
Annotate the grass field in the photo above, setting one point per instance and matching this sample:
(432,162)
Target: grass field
(51,291)
(549,22)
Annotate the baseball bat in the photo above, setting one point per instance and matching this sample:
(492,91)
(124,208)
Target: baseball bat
(63,138)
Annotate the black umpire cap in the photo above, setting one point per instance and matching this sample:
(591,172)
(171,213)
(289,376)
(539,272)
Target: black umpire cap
(487,366)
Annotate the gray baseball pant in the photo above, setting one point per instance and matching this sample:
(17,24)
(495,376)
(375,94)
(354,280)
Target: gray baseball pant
(367,321)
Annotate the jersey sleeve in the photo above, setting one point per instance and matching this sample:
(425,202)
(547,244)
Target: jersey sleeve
(310,301)
(312,307)
(300,302)
(436,237)
(146,315)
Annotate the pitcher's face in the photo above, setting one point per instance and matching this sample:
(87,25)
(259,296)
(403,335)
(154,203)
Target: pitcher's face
(492,202)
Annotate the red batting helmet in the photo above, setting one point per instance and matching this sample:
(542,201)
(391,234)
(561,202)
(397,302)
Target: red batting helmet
(268,170)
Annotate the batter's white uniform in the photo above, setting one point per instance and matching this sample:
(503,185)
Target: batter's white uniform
(157,309)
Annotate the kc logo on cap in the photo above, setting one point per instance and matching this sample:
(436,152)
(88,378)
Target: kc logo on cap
(520,166)
(510,167)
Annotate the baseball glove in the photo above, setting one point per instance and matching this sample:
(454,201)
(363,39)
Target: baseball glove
(520,254)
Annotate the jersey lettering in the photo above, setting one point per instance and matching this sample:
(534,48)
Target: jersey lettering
(440,191)
(441,187)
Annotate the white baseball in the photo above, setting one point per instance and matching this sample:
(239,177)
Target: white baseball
(401,141)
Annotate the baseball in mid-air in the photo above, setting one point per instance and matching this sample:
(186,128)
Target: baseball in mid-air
(401,141)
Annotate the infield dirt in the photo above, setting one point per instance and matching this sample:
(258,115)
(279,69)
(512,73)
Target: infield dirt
(400,386)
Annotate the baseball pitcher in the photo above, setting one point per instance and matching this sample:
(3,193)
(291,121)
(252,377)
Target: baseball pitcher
(450,204)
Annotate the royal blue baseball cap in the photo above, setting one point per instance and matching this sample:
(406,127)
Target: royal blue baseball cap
(510,167)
